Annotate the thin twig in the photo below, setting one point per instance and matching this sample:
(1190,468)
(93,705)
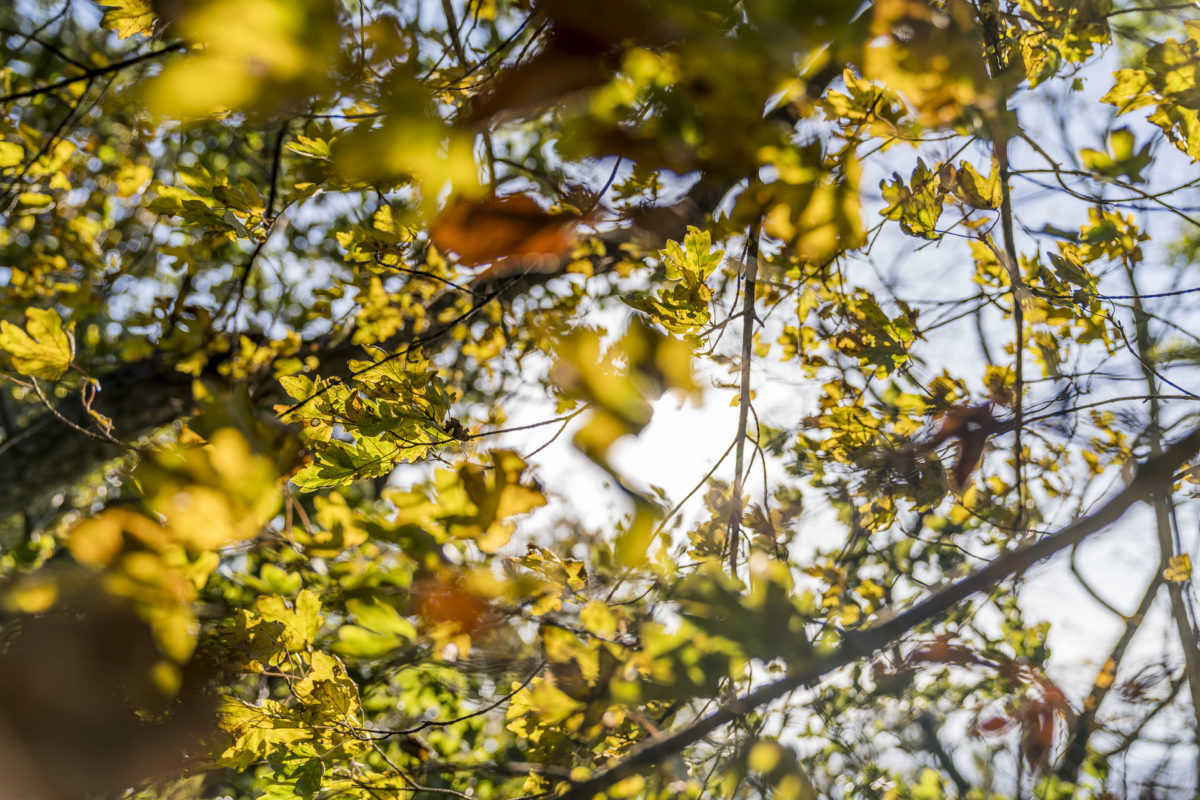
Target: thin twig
(1085,724)
(100,437)
(735,509)
(441,723)
(565,421)
(461,53)
(675,509)
(417,341)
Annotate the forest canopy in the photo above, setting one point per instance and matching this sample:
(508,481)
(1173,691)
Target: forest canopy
(335,336)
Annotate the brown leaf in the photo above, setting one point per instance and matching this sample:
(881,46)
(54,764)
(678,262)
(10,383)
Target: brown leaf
(941,651)
(582,49)
(71,681)
(437,600)
(993,726)
(971,426)
(510,227)
(1037,731)
(970,452)
(553,74)
(1137,688)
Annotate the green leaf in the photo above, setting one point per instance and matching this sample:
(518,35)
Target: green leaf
(357,642)
(380,617)
(1121,160)
(683,306)
(309,778)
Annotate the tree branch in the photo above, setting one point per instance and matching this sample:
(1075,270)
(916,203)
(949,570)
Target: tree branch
(1001,125)
(45,456)
(1163,505)
(1152,478)
(92,74)
(1085,724)
(934,745)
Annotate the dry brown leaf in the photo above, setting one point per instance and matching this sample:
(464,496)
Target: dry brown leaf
(580,53)
(437,600)
(495,228)
(971,427)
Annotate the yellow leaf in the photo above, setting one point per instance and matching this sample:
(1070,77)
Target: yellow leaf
(36,200)
(11,154)
(633,545)
(174,631)
(132,178)
(497,535)
(213,495)
(764,756)
(44,349)
(31,596)
(253,54)
(1179,569)
(598,618)
(128,17)
(977,191)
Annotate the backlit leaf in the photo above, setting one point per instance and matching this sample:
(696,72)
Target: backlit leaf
(44,348)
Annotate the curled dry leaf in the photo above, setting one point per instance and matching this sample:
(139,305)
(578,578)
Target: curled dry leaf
(994,725)
(1139,687)
(971,427)
(1037,720)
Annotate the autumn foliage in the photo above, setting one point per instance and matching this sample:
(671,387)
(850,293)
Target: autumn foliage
(515,399)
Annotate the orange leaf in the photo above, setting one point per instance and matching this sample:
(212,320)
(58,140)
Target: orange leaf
(436,601)
(481,231)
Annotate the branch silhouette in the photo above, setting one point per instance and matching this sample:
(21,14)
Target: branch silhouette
(93,73)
